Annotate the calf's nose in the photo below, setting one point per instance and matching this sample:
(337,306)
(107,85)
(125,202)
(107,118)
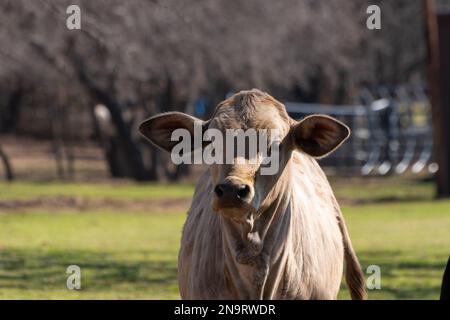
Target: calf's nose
(232,191)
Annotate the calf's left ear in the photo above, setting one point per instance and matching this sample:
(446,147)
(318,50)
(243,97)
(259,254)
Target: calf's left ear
(318,135)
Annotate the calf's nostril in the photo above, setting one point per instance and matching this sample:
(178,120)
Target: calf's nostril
(218,191)
(243,191)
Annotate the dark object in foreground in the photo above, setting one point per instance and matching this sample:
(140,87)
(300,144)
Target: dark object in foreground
(445,289)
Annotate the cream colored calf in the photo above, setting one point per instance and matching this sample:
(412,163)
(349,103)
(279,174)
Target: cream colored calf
(253,236)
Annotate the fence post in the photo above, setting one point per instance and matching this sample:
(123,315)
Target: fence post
(438,73)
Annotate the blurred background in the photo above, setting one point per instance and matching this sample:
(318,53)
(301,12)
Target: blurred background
(78,185)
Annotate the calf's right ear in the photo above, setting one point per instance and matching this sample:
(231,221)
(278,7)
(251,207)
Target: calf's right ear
(158,129)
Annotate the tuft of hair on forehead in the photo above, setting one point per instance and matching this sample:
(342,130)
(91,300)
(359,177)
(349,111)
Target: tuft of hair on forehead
(247,101)
(249,98)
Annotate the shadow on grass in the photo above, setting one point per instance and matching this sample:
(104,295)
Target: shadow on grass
(46,270)
(403,276)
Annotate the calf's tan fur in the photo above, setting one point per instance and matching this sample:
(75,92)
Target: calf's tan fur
(289,240)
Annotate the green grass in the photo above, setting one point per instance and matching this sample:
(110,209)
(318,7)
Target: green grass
(383,189)
(23,190)
(410,242)
(121,256)
(364,189)
(133,254)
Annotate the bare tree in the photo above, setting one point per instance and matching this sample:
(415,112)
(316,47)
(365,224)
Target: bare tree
(141,57)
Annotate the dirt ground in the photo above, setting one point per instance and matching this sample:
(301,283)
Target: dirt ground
(34,160)
(84,204)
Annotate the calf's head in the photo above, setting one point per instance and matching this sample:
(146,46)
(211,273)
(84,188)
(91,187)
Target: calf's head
(241,177)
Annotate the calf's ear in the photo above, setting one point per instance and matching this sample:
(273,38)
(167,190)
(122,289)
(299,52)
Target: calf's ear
(318,135)
(158,129)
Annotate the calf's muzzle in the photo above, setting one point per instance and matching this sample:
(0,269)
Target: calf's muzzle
(232,194)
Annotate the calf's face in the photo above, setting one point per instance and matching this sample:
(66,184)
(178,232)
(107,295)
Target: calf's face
(240,185)
(262,124)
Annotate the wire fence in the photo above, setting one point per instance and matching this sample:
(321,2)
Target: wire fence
(391,131)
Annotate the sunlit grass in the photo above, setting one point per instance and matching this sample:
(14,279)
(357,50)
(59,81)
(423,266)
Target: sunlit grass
(371,189)
(382,189)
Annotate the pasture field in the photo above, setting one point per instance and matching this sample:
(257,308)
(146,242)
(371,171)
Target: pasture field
(125,237)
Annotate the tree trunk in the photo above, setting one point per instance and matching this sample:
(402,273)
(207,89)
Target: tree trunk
(131,151)
(439,110)
(57,143)
(9,175)
(9,117)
